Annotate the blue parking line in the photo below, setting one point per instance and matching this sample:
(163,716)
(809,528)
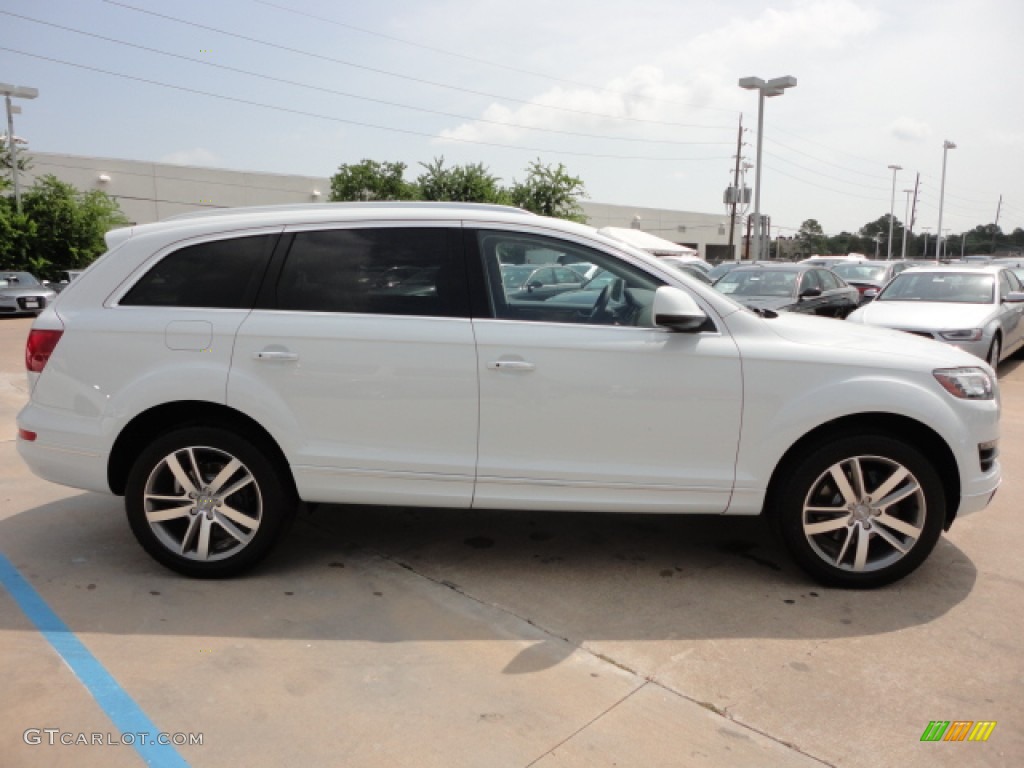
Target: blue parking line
(126,715)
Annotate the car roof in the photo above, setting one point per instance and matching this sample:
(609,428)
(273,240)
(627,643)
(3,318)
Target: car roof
(222,219)
(970,267)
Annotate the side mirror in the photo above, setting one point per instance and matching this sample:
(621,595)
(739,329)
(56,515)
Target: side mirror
(676,310)
(810,293)
(534,284)
(1014,297)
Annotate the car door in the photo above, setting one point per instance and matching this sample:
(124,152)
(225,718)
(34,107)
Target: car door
(360,360)
(1011,313)
(584,406)
(840,299)
(810,305)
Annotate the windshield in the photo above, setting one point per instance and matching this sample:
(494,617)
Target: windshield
(758,282)
(940,287)
(19,278)
(860,271)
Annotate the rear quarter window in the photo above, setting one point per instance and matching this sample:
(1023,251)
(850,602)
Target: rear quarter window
(220,274)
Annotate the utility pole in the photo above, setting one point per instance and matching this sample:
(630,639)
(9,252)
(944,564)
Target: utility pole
(735,185)
(913,210)
(999,208)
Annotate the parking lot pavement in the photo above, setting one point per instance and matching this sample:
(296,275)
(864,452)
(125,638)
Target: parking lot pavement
(392,637)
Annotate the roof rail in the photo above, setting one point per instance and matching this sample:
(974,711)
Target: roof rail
(368,204)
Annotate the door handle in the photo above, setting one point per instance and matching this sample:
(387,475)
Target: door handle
(511,365)
(270,354)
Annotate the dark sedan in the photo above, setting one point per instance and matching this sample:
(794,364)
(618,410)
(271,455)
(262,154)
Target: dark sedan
(791,288)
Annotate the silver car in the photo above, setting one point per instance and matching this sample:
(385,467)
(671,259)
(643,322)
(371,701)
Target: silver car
(976,308)
(21,293)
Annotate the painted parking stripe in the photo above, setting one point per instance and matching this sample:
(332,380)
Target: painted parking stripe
(112,698)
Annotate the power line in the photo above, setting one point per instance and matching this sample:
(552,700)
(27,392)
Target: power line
(321,89)
(388,73)
(475,60)
(331,118)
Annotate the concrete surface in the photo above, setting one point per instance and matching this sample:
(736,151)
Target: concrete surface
(397,637)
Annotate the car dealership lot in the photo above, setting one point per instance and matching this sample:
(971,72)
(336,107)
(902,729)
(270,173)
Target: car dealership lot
(382,637)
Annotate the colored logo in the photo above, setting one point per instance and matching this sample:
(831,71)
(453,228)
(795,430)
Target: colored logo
(958,730)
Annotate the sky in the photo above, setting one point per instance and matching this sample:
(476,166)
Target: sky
(641,101)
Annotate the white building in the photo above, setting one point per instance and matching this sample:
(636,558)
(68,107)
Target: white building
(150,192)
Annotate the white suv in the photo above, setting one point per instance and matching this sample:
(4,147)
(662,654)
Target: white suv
(217,369)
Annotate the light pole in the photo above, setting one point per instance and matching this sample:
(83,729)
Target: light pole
(925,254)
(946,146)
(18,92)
(906,218)
(773,87)
(892,205)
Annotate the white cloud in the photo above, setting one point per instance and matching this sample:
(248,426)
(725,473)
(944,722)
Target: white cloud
(195,156)
(822,24)
(908,129)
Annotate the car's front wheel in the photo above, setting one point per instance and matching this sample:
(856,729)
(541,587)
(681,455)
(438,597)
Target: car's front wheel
(207,503)
(861,511)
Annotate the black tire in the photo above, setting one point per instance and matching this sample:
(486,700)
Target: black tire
(993,352)
(214,520)
(842,536)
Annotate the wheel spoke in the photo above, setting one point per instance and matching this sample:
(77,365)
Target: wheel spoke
(814,529)
(890,485)
(172,513)
(192,525)
(898,525)
(860,559)
(893,541)
(846,546)
(236,487)
(181,498)
(826,510)
(239,517)
(203,545)
(223,476)
(231,528)
(908,490)
(843,484)
(858,479)
(179,474)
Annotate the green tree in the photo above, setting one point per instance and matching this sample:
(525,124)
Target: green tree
(469,183)
(811,237)
(24,163)
(550,191)
(59,228)
(370,180)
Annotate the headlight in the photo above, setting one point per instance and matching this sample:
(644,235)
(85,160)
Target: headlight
(966,383)
(968,334)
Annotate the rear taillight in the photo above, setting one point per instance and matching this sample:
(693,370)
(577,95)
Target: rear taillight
(39,347)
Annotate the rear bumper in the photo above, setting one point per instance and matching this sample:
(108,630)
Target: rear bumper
(67,450)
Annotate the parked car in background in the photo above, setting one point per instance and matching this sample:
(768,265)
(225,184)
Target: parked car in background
(724,267)
(828,261)
(691,267)
(22,294)
(291,372)
(526,281)
(977,308)
(869,277)
(790,287)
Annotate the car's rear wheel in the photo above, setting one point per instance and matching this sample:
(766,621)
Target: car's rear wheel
(861,511)
(207,503)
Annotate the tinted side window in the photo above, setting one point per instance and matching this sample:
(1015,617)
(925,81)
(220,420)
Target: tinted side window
(390,271)
(828,280)
(222,274)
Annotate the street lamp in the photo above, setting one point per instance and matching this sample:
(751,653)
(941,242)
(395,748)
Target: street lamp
(946,146)
(773,87)
(906,218)
(925,254)
(892,204)
(18,92)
